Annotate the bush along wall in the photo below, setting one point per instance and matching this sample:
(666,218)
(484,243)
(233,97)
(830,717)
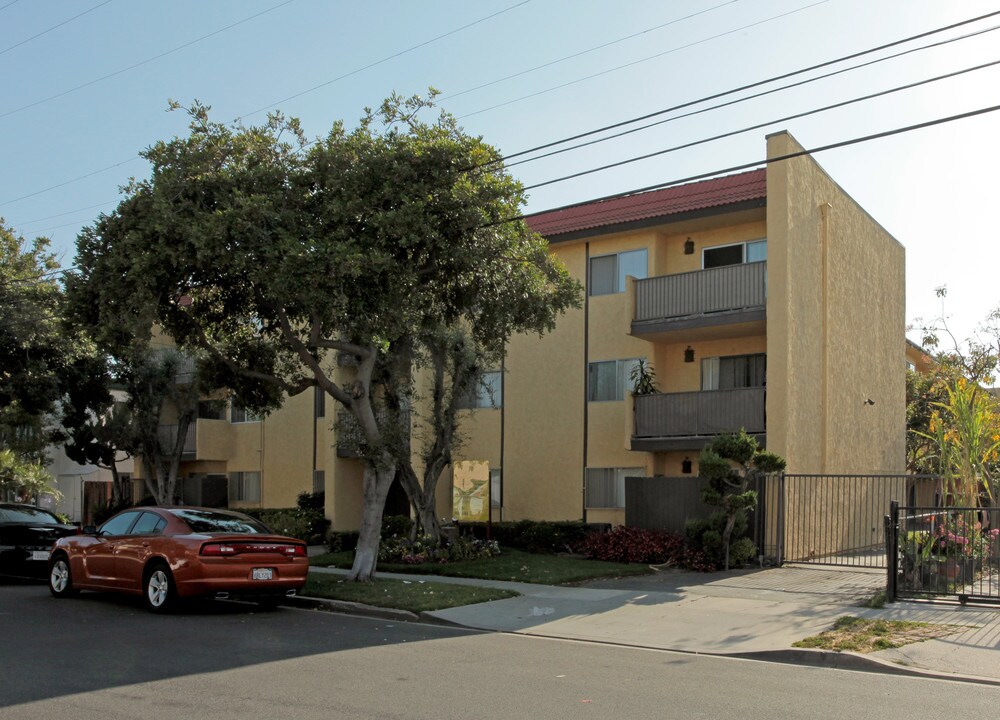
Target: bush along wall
(533,536)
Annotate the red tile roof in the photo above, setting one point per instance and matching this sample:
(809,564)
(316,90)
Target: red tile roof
(716,192)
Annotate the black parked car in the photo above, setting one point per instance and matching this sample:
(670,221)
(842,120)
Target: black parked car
(26,536)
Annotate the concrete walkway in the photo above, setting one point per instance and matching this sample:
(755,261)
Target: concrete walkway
(756,613)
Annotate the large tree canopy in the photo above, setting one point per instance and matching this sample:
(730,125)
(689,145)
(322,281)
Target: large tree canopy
(269,253)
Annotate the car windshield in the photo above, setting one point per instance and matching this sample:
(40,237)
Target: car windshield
(208,521)
(28,515)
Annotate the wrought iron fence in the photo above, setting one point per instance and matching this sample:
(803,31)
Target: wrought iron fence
(935,552)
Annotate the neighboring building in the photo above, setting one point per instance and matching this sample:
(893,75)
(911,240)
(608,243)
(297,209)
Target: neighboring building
(767,300)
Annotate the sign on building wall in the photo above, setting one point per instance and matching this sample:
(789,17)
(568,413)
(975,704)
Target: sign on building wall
(470,490)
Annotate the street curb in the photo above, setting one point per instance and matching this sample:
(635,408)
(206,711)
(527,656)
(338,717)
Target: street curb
(855,662)
(370,611)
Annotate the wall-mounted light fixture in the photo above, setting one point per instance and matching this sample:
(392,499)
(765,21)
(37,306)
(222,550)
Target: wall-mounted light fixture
(689,247)
(689,354)
(686,466)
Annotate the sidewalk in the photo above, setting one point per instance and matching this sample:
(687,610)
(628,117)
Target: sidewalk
(757,614)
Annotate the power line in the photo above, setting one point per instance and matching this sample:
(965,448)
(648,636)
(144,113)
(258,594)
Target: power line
(758,126)
(385,59)
(645,59)
(750,86)
(756,164)
(68,212)
(144,62)
(751,97)
(588,50)
(73,180)
(54,27)
(137,157)
(4,7)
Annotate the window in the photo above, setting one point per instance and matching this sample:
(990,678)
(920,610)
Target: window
(239,415)
(608,272)
(486,392)
(606,486)
(244,487)
(319,402)
(118,525)
(609,380)
(736,371)
(319,481)
(148,524)
(212,410)
(496,487)
(736,254)
(215,521)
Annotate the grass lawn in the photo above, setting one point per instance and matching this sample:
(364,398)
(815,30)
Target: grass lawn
(510,565)
(413,595)
(865,636)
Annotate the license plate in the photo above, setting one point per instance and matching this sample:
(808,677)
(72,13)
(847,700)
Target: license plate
(40,555)
(263,574)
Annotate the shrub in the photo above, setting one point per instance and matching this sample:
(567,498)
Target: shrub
(312,501)
(423,550)
(533,536)
(706,535)
(310,526)
(341,541)
(634,545)
(396,526)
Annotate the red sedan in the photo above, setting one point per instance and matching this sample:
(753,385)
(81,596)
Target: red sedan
(168,553)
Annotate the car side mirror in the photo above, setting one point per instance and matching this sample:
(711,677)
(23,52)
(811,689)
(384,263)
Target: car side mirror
(89,529)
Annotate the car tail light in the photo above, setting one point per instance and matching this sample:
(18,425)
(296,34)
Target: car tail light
(224,549)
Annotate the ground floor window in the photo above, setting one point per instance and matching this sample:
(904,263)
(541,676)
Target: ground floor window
(244,487)
(605,487)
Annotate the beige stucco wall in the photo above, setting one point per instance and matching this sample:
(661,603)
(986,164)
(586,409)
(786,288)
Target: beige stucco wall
(544,407)
(835,318)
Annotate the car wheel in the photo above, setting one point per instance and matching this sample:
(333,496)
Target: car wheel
(158,588)
(60,580)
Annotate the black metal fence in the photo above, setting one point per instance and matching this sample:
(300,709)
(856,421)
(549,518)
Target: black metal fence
(936,552)
(837,519)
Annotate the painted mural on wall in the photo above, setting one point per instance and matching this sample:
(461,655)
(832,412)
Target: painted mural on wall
(470,490)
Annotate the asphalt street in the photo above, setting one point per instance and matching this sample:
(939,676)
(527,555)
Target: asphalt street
(98,656)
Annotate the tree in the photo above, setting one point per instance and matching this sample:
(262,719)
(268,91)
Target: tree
(271,256)
(24,480)
(731,463)
(953,420)
(33,350)
(95,427)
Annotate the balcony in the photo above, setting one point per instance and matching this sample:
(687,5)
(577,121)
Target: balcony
(167,435)
(703,300)
(689,420)
(349,435)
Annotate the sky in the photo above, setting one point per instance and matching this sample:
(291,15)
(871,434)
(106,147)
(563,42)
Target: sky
(86,83)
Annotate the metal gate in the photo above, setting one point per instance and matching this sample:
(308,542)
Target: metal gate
(937,552)
(836,519)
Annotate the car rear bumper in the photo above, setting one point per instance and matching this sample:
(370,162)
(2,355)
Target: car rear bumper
(17,562)
(237,582)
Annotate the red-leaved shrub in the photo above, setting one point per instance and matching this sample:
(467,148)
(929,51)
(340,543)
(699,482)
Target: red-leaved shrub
(654,547)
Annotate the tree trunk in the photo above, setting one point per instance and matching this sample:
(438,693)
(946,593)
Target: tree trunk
(728,533)
(376,489)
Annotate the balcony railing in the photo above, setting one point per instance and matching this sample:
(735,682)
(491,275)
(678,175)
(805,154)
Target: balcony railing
(699,414)
(349,435)
(167,435)
(702,292)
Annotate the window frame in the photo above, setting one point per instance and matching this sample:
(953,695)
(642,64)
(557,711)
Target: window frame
(622,371)
(618,282)
(617,478)
(745,244)
(239,479)
(247,417)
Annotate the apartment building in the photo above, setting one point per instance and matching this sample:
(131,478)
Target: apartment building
(767,300)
